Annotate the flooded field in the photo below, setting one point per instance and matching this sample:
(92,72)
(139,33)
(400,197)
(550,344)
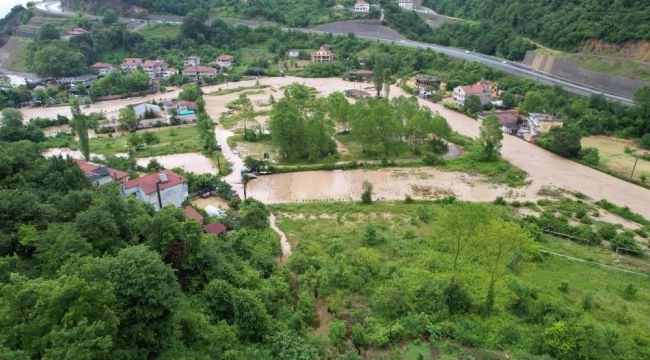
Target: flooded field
(192,162)
(389,184)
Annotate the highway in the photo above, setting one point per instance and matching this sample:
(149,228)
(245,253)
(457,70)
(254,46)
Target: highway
(507,66)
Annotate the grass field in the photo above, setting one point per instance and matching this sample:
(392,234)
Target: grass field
(330,237)
(13,54)
(172,141)
(613,155)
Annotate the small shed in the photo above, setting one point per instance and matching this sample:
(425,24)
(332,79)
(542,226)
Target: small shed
(216,228)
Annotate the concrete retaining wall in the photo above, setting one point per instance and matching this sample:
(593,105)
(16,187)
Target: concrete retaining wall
(615,84)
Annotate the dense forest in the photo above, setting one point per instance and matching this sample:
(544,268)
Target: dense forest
(557,23)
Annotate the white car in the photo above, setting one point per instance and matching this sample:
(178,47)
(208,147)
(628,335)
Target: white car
(466,51)
(504,62)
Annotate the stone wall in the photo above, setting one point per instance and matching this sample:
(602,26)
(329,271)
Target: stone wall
(614,84)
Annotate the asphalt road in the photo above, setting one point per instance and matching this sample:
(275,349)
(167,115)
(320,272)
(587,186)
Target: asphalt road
(509,67)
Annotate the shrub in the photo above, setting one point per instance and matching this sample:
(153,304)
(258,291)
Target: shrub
(457,298)
(587,302)
(432,159)
(366,196)
(564,287)
(500,201)
(408,200)
(629,293)
(590,156)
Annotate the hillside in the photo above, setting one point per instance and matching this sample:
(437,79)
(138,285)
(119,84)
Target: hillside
(556,23)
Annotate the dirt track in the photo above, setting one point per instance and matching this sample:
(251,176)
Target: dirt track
(543,167)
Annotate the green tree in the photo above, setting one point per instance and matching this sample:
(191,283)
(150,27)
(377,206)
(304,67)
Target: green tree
(378,75)
(48,32)
(642,102)
(12,117)
(490,138)
(564,141)
(109,17)
(147,295)
(472,105)
(359,338)
(127,119)
(191,92)
(534,102)
(57,58)
(337,334)
(79,124)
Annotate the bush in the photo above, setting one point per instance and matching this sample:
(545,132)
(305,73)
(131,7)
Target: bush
(590,156)
(645,141)
(500,201)
(564,287)
(432,159)
(457,299)
(630,292)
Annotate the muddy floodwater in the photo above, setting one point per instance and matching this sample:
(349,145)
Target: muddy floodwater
(389,184)
(191,162)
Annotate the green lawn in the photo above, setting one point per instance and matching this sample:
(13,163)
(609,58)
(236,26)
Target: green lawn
(329,237)
(173,140)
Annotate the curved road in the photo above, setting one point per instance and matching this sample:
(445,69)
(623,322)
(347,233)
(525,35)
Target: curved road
(54,7)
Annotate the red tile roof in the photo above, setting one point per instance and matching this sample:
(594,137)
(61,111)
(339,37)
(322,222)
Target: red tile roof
(200,69)
(474,89)
(215,228)
(88,167)
(148,182)
(192,213)
(188,104)
(152,63)
(132,61)
(101,65)
(225,57)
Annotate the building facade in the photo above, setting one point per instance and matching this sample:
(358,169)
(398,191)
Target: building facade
(158,189)
(324,54)
(362,6)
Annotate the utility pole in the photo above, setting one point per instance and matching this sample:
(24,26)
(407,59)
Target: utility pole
(634,167)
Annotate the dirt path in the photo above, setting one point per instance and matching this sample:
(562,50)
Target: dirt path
(284,243)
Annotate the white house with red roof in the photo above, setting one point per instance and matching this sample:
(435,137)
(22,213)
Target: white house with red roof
(199,72)
(156,69)
(158,189)
(192,61)
(102,68)
(225,60)
(130,65)
(324,54)
(362,6)
(482,91)
(100,174)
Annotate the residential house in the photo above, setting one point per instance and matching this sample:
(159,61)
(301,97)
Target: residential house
(156,69)
(215,228)
(462,93)
(199,72)
(102,68)
(170,71)
(185,110)
(494,87)
(192,61)
(100,174)
(324,54)
(361,6)
(359,75)
(510,120)
(130,65)
(190,212)
(424,82)
(293,53)
(406,4)
(158,189)
(543,123)
(225,60)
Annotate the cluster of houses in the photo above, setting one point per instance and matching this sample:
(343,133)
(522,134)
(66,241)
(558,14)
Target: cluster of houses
(158,189)
(149,115)
(362,6)
(525,127)
(159,69)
